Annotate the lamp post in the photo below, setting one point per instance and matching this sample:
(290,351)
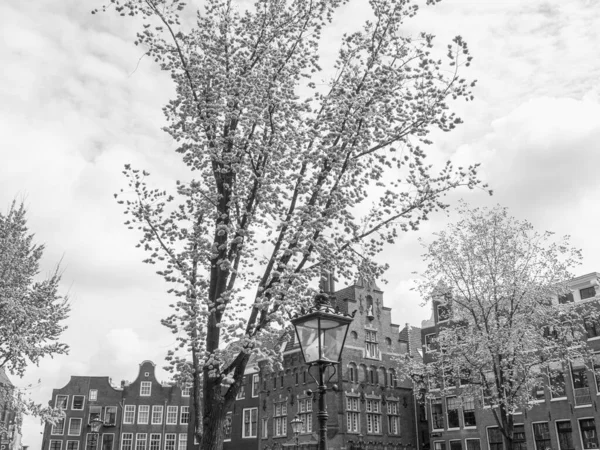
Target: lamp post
(95,425)
(321,333)
(296,424)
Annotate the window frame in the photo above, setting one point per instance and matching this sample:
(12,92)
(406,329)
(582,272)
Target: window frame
(182,439)
(75,447)
(145,388)
(112,444)
(126,437)
(579,420)
(228,418)
(82,403)
(250,422)
(173,413)
(66,402)
(152,439)
(51,447)
(80,426)
(352,414)
(139,440)
(54,430)
(107,411)
(559,433)
(129,409)
(168,440)
(430,347)
(155,410)
(146,412)
(93,395)
(472,439)
(587,290)
(255,385)
(184,411)
(535,437)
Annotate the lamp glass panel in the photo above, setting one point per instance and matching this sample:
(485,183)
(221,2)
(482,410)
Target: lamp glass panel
(308,336)
(332,340)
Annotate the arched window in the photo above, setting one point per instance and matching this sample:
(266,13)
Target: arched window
(382,376)
(296,376)
(362,373)
(372,377)
(392,381)
(354,334)
(388,341)
(352,373)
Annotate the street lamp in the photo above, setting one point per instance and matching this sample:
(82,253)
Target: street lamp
(95,425)
(321,333)
(296,424)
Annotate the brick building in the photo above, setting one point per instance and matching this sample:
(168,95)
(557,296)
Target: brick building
(142,415)
(242,422)
(569,421)
(10,438)
(367,401)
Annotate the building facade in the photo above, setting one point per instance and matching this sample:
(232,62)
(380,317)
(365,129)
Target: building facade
(567,420)
(368,406)
(10,438)
(142,415)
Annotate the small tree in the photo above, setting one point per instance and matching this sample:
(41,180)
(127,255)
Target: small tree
(292,177)
(498,282)
(31,309)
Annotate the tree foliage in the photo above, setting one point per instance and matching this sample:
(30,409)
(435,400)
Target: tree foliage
(290,176)
(507,338)
(31,309)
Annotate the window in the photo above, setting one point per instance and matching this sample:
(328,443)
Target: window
(565,435)
(170,439)
(373,416)
(127,441)
(129,414)
(91,441)
(305,414)
(473,444)
(437,414)
(242,392)
(393,414)
(256,384)
(372,347)
(55,445)
(581,388)
(61,401)
(296,376)
(455,445)
(72,445)
(567,298)
(352,414)
(95,413)
(519,437)
(74,426)
(78,401)
(110,415)
(265,427)
(108,441)
(541,435)
(495,438)
(227,426)
(381,376)
(155,441)
(185,415)
(352,373)
(469,412)
(58,427)
(354,334)
(280,418)
(371,376)
(145,388)
(443,312)
(439,445)
(93,396)
(140,441)
(186,389)
(556,376)
(143,414)
(430,344)
(171,415)
(392,380)
(589,437)
(249,422)
(452,405)
(587,292)
(157,414)
(592,328)
(182,441)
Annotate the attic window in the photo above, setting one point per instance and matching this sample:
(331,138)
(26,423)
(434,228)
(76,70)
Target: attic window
(147,374)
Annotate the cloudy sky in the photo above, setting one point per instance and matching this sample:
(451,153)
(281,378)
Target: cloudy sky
(78,100)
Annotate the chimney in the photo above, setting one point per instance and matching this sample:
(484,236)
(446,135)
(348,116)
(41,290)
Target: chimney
(408,338)
(327,281)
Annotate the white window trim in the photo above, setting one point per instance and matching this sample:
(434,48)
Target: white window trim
(257,384)
(150,440)
(431,414)
(435,442)
(52,433)
(56,401)
(123,440)
(101,441)
(145,384)
(125,414)
(176,409)
(137,439)
(244,423)
(426,346)
(106,408)
(147,416)
(87,436)
(156,408)
(472,439)
(76,447)
(56,440)
(80,426)
(579,419)
(95,395)
(181,410)
(73,402)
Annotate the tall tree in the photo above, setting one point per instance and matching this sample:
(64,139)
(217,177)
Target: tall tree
(31,309)
(498,283)
(292,175)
